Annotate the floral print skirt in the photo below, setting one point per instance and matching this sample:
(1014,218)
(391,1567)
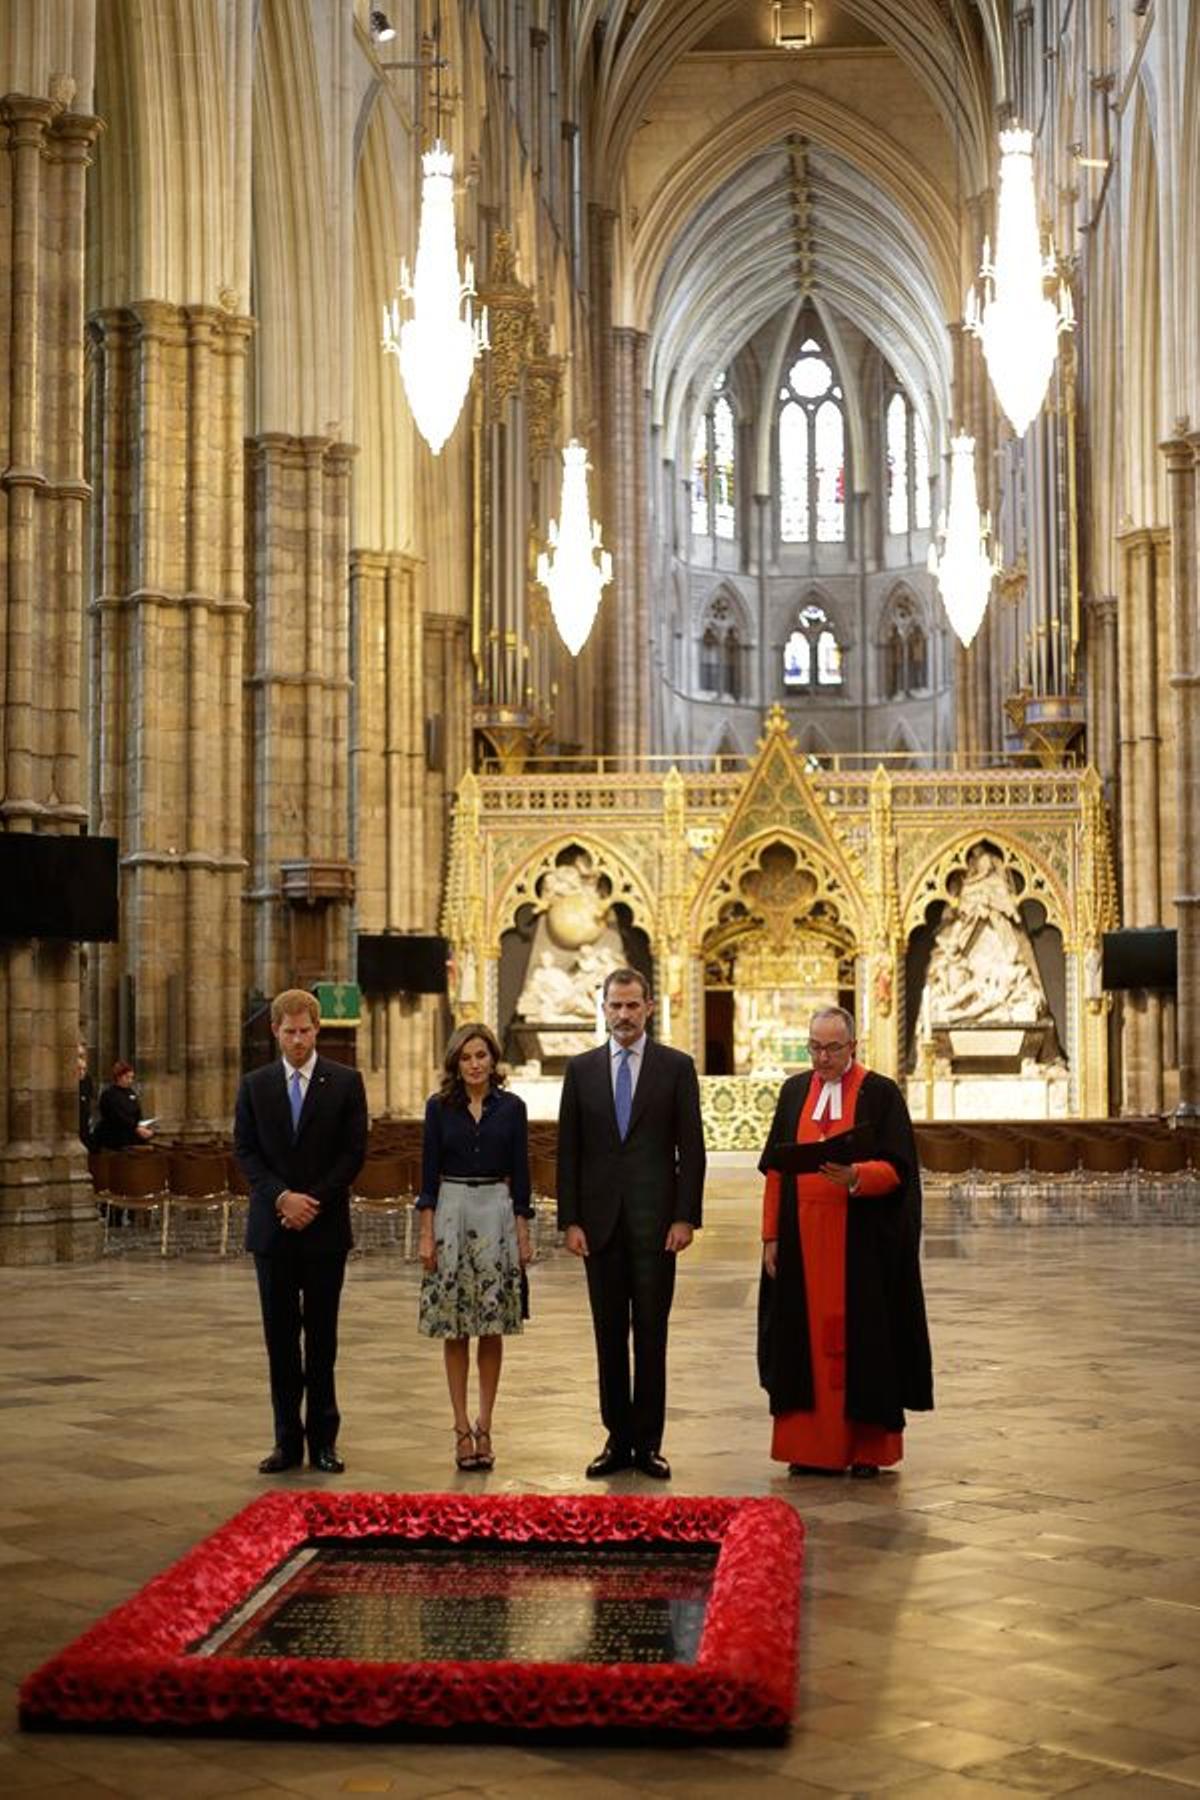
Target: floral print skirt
(475,1291)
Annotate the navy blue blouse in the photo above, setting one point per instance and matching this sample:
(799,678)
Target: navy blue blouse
(453,1144)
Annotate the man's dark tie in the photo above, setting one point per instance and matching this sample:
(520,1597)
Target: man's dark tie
(624,1093)
(297,1100)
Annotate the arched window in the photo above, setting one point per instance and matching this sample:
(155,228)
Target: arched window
(714,457)
(907,467)
(812,452)
(904,647)
(720,669)
(897,461)
(710,662)
(700,479)
(812,656)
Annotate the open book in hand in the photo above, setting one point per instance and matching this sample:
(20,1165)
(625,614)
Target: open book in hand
(806,1159)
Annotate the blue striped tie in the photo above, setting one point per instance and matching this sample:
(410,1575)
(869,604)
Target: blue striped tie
(624,1093)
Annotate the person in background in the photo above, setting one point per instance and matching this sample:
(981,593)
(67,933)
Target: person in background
(473,1237)
(87,1095)
(843,1342)
(120,1123)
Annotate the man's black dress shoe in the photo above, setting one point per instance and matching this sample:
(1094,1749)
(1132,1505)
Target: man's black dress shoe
(279,1461)
(864,1471)
(652,1463)
(610,1461)
(327,1461)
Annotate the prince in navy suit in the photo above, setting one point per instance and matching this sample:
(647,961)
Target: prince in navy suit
(300,1138)
(630,1181)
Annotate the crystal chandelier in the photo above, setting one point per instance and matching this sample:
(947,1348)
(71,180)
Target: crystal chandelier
(575,568)
(1016,320)
(436,348)
(964,569)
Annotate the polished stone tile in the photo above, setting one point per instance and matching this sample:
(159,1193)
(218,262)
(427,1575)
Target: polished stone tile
(1017,1610)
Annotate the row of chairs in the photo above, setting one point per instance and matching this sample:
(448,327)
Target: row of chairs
(195,1198)
(148,1189)
(1088,1169)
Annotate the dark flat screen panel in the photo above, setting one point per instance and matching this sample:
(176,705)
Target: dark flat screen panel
(396,964)
(58,887)
(1142,958)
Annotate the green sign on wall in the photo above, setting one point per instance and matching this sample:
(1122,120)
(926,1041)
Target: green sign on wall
(339,1002)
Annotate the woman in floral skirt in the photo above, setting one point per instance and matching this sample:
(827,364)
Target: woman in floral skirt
(474,1238)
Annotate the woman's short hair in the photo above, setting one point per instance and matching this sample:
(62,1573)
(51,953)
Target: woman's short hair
(293,1001)
(453,1088)
(121,1069)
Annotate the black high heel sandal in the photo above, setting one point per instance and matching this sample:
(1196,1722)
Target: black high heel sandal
(484,1459)
(465,1459)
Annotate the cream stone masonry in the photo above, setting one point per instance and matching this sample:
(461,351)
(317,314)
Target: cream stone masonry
(169,619)
(298,710)
(46,1210)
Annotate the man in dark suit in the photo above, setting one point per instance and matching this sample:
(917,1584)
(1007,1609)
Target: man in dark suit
(300,1137)
(630,1182)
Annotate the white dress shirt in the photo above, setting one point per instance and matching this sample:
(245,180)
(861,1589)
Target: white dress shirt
(305,1072)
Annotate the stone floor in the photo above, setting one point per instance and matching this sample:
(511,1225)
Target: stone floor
(1017,1611)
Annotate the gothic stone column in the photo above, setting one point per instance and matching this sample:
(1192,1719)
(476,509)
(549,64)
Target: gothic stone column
(1183,471)
(298,711)
(1139,749)
(628,486)
(168,626)
(46,1208)
(390,813)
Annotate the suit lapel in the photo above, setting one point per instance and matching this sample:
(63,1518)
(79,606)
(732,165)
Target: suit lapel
(602,1066)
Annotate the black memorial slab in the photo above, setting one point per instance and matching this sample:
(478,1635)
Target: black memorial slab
(392,1600)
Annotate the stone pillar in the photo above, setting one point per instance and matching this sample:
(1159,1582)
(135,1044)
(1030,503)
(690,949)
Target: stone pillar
(1102,688)
(1183,473)
(46,1209)
(1140,764)
(168,398)
(625,530)
(389,785)
(298,711)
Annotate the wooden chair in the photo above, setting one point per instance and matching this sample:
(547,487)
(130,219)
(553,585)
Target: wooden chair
(137,1184)
(381,1204)
(238,1189)
(945,1152)
(198,1185)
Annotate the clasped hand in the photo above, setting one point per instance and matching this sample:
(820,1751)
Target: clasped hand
(296,1211)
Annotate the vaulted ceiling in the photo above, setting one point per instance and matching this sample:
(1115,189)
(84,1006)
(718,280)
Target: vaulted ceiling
(748,179)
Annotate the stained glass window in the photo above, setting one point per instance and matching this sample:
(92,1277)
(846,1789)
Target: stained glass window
(812,655)
(812,452)
(714,453)
(797,661)
(722,464)
(700,467)
(793,474)
(920,476)
(831,473)
(897,463)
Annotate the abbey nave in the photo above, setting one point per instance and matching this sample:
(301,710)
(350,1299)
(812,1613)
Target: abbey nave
(828,727)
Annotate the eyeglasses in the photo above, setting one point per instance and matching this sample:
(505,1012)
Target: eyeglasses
(815,1050)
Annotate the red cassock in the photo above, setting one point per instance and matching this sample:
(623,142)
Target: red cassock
(825,1438)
